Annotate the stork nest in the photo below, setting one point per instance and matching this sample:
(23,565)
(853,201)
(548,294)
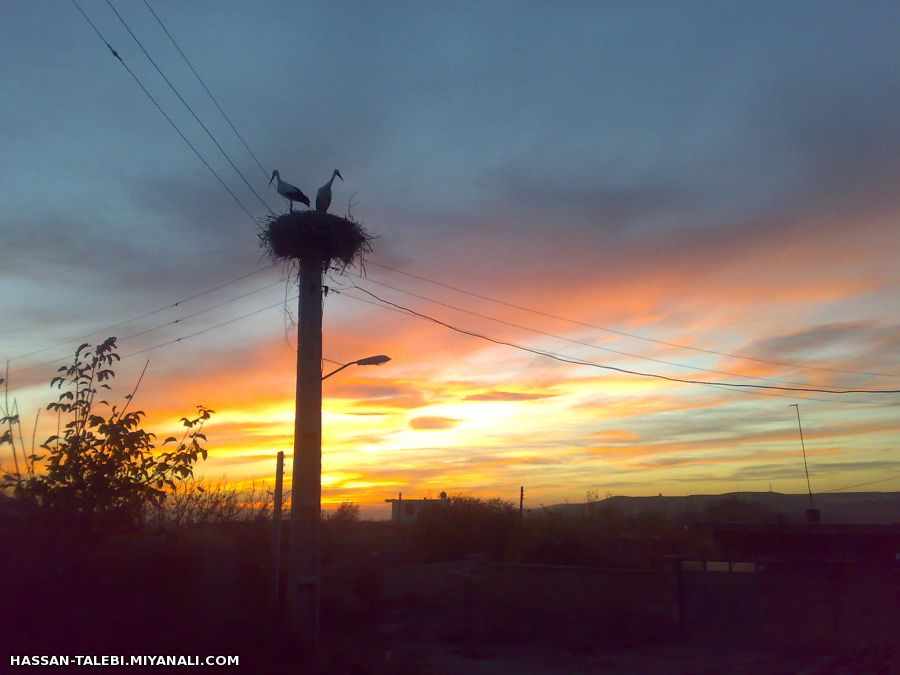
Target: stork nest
(313,238)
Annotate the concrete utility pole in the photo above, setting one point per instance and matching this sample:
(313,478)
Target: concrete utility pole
(306,490)
(312,241)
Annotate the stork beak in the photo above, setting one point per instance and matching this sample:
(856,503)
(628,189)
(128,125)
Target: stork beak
(274,173)
(338,173)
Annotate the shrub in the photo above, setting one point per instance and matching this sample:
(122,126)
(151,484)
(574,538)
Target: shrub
(736,510)
(451,528)
(346,514)
(102,469)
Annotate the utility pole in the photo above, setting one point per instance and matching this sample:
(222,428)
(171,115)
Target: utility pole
(805,467)
(313,241)
(521,500)
(276,529)
(306,489)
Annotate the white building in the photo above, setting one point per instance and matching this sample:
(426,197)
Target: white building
(406,511)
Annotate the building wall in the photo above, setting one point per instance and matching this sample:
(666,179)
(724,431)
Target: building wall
(595,605)
(585,605)
(792,604)
(406,511)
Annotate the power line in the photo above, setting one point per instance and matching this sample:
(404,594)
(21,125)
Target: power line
(800,398)
(164,114)
(208,329)
(203,84)
(871,482)
(563,358)
(191,110)
(619,332)
(217,326)
(142,316)
(572,340)
(161,326)
(623,370)
(196,333)
(183,337)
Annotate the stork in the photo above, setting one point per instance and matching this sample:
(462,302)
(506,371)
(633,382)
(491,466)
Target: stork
(290,192)
(323,196)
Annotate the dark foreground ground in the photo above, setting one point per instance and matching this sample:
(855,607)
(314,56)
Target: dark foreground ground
(206,591)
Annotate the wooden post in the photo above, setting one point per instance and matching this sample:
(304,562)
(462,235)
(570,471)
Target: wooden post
(521,500)
(306,490)
(276,529)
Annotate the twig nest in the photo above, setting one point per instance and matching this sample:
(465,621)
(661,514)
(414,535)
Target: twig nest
(313,238)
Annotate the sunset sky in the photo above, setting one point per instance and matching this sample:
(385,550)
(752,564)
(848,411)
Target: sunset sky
(660,187)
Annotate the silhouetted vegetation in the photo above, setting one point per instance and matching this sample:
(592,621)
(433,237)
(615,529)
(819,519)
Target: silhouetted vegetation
(735,510)
(345,515)
(454,527)
(101,470)
(199,502)
(600,534)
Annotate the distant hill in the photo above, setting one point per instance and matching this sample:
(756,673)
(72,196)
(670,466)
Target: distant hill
(848,507)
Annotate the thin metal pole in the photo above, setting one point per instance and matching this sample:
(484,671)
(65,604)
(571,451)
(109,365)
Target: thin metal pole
(337,370)
(276,528)
(306,490)
(803,446)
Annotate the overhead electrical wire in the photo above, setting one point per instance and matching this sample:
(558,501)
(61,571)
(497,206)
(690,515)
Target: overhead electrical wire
(152,329)
(457,289)
(856,485)
(572,340)
(182,338)
(216,327)
(142,316)
(187,105)
(620,332)
(561,357)
(419,277)
(203,84)
(616,368)
(164,114)
(207,329)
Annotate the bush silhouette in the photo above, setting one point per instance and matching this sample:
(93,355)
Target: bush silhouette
(451,528)
(102,470)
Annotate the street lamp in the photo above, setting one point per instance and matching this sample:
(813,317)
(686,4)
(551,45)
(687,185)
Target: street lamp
(368,361)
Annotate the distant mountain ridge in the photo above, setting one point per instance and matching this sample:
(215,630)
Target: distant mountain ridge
(847,507)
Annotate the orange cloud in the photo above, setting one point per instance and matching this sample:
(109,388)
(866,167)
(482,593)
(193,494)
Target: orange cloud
(433,423)
(615,436)
(498,395)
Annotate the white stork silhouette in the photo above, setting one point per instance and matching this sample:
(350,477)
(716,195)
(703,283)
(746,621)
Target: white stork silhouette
(323,196)
(290,192)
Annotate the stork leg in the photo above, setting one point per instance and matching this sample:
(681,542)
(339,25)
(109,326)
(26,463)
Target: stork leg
(292,205)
